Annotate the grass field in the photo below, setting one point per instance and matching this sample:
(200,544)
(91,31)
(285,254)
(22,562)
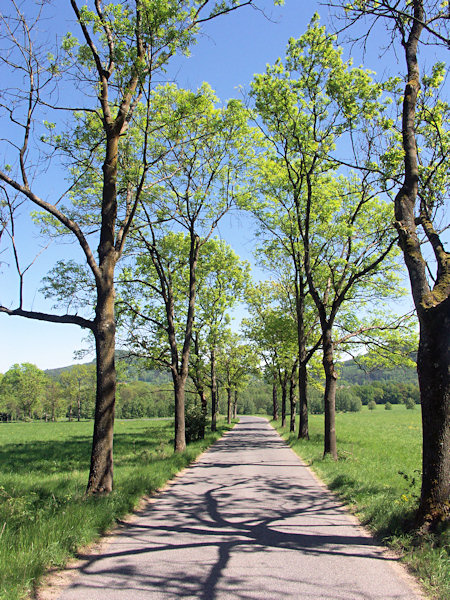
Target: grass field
(378,475)
(44,516)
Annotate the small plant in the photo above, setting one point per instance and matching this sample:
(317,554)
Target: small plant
(372,405)
(410,404)
(388,406)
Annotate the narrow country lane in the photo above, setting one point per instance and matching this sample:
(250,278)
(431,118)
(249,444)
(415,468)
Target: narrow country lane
(247,521)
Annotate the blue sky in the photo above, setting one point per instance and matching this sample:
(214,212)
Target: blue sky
(228,53)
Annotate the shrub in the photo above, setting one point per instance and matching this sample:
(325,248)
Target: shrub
(372,405)
(410,404)
(355,404)
(195,422)
(388,406)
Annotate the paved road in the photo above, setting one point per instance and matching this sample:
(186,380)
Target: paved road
(248,521)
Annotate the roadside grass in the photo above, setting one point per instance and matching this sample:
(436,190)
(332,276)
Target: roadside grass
(378,475)
(45,517)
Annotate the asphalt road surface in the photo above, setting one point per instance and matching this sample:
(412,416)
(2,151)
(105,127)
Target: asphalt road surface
(247,521)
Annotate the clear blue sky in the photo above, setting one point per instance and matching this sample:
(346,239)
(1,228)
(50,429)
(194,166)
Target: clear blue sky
(229,52)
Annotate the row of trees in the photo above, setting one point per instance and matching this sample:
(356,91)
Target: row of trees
(26,392)
(152,170)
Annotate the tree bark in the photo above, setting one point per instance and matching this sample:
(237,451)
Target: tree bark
(330,396)
(235,404)
(213,391)
(101,470)
(303,430)
(433,361)
(292,399)
(229,405)
(283,401)
(275,399)
(179,383)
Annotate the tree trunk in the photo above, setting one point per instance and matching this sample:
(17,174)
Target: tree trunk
(275,399)
(229,404)
(283,401)
(330,396)
(204,405)
(300,294)
(101,471)
(179,383)
(235,404)
(213,391)
(433,360)
(303,430)
(292,400)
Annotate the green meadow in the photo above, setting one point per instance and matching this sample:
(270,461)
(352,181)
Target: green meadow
(378,475)
(44,516)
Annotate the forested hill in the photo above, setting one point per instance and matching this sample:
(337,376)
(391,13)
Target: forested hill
(351,373)
(129,369)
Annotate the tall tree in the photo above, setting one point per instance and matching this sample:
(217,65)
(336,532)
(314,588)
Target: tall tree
(237,361)
(306,106)
(272,331)
(416,209)
(221,288)
(122,47)
(205,151)
(159,305)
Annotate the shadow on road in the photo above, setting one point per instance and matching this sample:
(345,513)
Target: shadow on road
(218,523)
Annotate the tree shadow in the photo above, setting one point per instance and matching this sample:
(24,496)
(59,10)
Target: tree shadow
(182,545)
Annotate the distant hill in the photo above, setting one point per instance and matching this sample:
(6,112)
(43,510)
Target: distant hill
(132,370)
(351,373)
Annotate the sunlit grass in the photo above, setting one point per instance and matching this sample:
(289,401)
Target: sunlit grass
(378,476)
(44,515)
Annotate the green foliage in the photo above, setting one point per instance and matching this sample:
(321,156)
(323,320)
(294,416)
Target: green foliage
(347,400)
(409,403)
(195,421)
(372,405)
(22,391)
(388,406)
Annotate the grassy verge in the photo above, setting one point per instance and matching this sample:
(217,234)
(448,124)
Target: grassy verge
(44,516)
(378,476)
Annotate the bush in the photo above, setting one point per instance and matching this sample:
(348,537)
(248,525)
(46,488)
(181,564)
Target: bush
(195,422)
(388,406)
(372,405)
(355,404)
(410,404)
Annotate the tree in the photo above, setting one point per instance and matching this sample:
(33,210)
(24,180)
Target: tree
(164,294)
(25,383)
(237,361)
(416,209)
(308,105)
(205,150)
(221,286)
(78,384)
(53,400)
(273,334)
(122,48)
